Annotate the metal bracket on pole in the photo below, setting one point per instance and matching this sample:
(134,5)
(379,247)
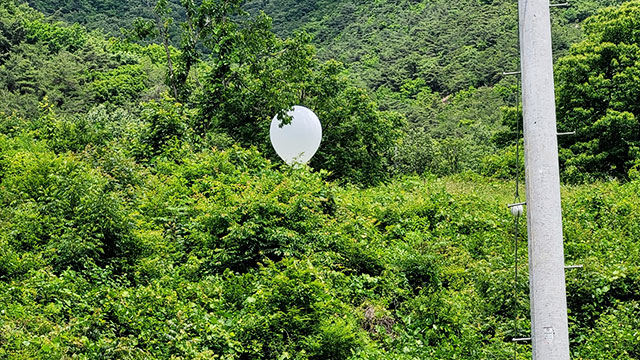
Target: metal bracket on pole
(511,73)
(514,205)
(559,5)
(527,339)
(573,267)
(567,133)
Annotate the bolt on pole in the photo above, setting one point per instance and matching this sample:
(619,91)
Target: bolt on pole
(549,325)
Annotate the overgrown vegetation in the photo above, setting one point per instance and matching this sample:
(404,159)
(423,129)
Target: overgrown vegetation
(598,92)
(143,214)
(220,254)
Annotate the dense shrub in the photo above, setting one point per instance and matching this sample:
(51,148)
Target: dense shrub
(221,254)
(59,210)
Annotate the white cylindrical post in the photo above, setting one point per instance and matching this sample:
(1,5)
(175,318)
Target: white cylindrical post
(550,334)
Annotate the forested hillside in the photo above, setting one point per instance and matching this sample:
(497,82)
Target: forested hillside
(438,63)
(450,44)
(109,16)
(144,214)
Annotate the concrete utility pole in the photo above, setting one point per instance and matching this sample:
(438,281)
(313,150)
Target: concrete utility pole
(550,333)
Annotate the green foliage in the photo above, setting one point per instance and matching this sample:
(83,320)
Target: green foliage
(602,225)
(220,254)
(502,164)
(417,55)
(71,219)
(597,96)
(389,42)
(119,85)
(132,225)
(247,84)
(69,66)
(109,16)
(251,75)
(57,37)
(456,133)
(167,123)
(358,138)
(289,313)
(616,334)
(29,75)
(254,75)
(11,26)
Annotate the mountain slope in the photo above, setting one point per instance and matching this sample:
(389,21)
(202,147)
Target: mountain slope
(452,45)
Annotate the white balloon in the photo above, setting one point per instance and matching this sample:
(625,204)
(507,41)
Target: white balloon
(297,142)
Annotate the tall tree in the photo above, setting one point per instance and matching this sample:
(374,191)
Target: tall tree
(250,75)
(598,87)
